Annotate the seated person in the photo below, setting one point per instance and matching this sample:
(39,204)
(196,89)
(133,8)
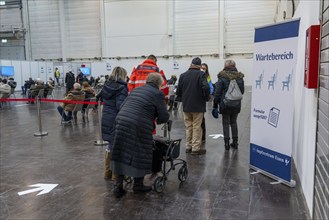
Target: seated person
(12,83)
(101,81)
(89,93)
(75,94)
(172,90)
(35,88)
(27,85)
(4,88)
(172,80)
(50,85)
(91,81)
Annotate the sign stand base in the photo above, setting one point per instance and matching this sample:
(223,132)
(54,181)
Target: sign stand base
(101,143)
(40,134)
(291,184)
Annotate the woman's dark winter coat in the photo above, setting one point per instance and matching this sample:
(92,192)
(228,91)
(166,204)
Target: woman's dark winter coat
(113,94)
(133,141)
(224,78)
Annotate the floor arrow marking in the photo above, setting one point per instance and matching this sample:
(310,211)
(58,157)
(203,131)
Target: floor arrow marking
(216,136)
(44,187)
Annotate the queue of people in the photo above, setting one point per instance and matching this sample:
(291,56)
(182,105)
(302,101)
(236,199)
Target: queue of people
(133,108)
(134,105)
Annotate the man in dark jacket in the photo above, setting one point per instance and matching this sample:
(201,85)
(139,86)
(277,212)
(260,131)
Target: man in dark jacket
(193,90)
(229,114)
(133,141)
(27,85)
(69,80)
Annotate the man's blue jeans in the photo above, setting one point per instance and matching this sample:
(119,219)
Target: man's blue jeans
(61,111)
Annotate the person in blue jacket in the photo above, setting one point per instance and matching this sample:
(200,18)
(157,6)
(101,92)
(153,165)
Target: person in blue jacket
(113,95)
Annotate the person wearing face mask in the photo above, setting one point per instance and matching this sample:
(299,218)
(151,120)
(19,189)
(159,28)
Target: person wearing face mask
(204,68)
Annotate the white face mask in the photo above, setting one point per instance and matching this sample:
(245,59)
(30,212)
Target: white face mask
(203,70)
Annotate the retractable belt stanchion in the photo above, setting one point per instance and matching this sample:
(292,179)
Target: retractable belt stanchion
(40,133)
(100,142)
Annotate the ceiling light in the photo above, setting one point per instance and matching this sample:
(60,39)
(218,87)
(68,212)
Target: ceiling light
(3,40)
(2,2)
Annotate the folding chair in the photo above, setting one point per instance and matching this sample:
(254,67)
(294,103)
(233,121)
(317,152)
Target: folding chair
(12,92)
(41,93)
(4,96)
(51,93)
(89,106)
(77,108)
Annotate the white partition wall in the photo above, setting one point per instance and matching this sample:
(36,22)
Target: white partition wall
(44,70)
(34,69)
(50,70)
(305,114)
(167,65)
(18,74)
(26,72)
(101,68)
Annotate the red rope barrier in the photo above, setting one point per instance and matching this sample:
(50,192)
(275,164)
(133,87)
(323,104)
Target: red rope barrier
(17,100)
(50,100)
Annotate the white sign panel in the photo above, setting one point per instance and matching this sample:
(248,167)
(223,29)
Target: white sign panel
(275,54)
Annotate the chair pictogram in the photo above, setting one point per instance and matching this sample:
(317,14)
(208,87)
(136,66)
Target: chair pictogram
(272,82)
(287,82)
(259,81)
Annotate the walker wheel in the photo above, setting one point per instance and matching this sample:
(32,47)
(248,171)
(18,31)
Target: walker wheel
(183,173)
(159,184)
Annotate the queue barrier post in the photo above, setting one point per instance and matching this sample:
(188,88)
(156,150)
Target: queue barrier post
(100,142)
(40,133)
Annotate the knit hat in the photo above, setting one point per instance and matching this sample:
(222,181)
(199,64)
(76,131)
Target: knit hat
(196,61)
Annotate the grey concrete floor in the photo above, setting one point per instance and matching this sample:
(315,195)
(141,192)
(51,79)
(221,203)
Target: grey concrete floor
(219,185)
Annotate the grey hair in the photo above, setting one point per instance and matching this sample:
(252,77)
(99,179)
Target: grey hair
(155,78)
(77,86)
(118,73)
(229,63)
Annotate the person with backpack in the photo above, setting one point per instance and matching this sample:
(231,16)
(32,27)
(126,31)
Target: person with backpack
(228,96)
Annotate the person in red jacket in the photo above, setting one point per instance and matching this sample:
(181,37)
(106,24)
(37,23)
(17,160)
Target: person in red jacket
(140,73)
